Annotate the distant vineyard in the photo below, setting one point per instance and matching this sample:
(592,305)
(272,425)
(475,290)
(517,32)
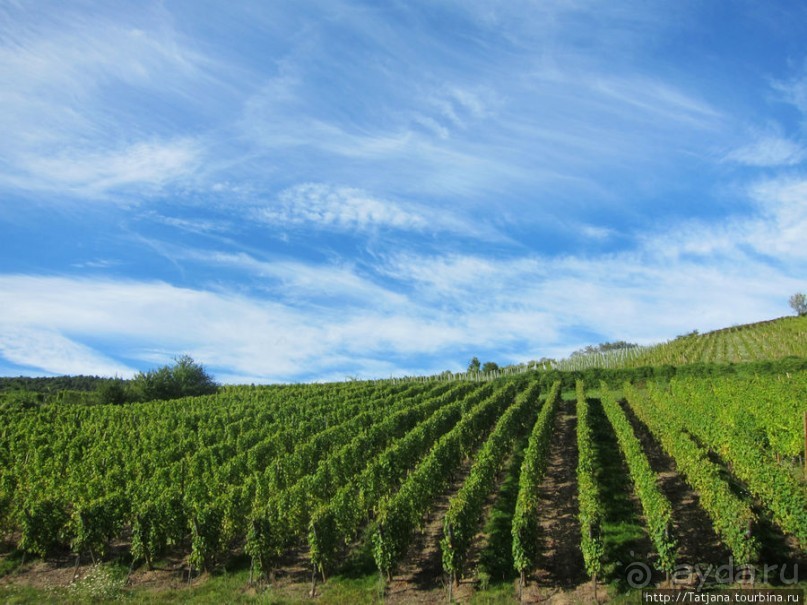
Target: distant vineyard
(324,471)
(763,341)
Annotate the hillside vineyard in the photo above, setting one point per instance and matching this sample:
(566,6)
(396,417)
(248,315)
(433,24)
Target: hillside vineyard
(323,472)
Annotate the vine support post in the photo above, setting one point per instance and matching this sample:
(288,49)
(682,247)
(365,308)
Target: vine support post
(521,586)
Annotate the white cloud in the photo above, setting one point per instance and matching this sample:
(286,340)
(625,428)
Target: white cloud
(684,277)
(50,351)
(770,150)
(654,99)
(321,206)
(781,231)
(154,321)
(301,282)
(69,109)
(773,229)
(595,232)
(794,91)
(340,208)
(93,172)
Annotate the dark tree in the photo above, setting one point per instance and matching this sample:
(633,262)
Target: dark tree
(474,365)
(185,378)
(490,366)
(114,392)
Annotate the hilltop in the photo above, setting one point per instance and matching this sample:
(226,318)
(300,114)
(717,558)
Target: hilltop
(768,340)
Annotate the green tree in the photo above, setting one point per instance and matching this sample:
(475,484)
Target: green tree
(490,366)
(185,378)
(798,302)
(474,365)
(113,391)
(191,378)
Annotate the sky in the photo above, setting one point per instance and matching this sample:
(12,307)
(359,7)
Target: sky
(329,189)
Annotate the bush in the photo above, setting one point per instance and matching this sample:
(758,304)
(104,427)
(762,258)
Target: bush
(114,391)
(185,378)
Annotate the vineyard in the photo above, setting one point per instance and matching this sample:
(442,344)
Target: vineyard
(760,342)
(533,485)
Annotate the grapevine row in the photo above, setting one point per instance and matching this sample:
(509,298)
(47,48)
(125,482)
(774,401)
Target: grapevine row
(400,514)
(733,519)
(287,512)
(338,521)
(465,508)
(655,506)
(589,497)
(525,518)
(774,485)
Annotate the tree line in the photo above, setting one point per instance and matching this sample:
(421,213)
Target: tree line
(184,378)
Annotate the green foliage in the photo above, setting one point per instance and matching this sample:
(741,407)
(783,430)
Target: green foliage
(95,523)
(525,519)
(732,517)
(51,384)
(798,302)
(489,366)
(717,411)
(655,506)
(463,517)
(361,495)
(264,468)
(474,365)
(589,497)
(114,392)
(399,515)
(185,378)
(158,521)
(207,542)
(760,342)
(605,347)
(41,522)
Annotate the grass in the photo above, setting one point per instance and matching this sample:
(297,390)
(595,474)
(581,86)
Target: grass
(10,562)
(624,535)
(498,593)
(106,583)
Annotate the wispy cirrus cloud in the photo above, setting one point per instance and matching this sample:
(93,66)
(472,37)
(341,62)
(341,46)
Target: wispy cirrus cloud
(417,310)
(339,208)
(349,209)
(72,105)
(769,150)
(377,187)
(773,229)
(51,352)
(92,172)
(793,90)
(150,322)
(300,282)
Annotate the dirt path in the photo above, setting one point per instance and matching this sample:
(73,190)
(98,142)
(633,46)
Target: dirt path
(419,578)
(561,565)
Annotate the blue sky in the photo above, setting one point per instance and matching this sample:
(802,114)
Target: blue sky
(315,190)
